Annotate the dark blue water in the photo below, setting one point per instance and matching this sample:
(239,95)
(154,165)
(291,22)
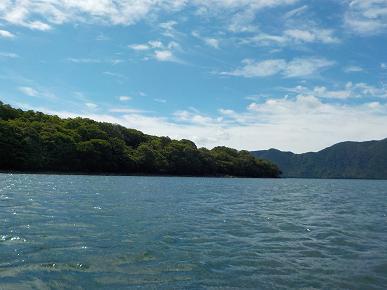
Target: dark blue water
(78,232)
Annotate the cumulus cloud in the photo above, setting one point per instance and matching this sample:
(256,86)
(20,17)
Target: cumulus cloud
(303,123)
(299,67)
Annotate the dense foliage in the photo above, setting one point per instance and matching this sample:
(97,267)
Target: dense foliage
(33,141)
(366,160)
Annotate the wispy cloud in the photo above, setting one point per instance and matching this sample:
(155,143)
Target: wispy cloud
(210,41)
(8,55)
(161,101)
(31,92)
(94,60)
(139,47)
(91,106)
(43,15)
(169,29)
(37,92)
(6,34)
(353,69)
(299,67)
(348,91)
(293,36)
(125,111)
(366,17)
(115,75)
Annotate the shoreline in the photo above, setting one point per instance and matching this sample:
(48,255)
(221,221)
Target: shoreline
(107,174)
(72,173)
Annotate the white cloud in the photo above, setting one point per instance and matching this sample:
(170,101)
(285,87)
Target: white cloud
(296,12)
(6,34)
(210,41)
(383,65)
(139,47)
(312,35)
(302,67)
(42,15)
(162,101)
(124,98)
(299,67)
(159,50)
(169,29)
(91,105)
(242,21)
(366,17)
(293,36)
(94,60)
(375,105)
(37,91)
(163,55)
(31,92)
(125,111)
(349,91)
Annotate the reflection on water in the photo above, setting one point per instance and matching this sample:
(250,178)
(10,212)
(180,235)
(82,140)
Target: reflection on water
(78,232)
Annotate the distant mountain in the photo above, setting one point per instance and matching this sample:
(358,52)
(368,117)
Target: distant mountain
(366,160)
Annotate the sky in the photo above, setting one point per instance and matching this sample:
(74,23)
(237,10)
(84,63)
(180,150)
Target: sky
(294,75)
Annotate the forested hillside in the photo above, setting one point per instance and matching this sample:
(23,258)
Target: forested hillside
(344,160)
(37,142)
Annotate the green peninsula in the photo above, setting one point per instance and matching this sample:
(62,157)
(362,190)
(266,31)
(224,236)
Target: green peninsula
(36,142)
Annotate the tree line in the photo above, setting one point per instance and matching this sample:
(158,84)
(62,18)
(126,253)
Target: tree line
(36,142)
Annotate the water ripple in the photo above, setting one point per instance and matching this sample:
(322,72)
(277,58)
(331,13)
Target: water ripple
(77,232)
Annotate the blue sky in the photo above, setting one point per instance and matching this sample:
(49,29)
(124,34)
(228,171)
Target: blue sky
(252,74)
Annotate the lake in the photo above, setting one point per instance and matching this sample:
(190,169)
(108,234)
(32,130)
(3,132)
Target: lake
(96,232)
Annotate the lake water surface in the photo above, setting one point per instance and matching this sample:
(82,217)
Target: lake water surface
(77,232)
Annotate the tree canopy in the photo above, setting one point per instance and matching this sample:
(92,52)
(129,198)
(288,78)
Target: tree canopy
(33,141)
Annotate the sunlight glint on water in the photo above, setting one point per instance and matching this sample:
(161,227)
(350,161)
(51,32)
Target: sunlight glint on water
(201,233)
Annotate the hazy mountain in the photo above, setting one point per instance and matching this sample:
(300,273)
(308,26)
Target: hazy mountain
(343,160)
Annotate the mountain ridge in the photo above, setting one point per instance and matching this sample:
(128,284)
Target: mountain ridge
(348,159)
